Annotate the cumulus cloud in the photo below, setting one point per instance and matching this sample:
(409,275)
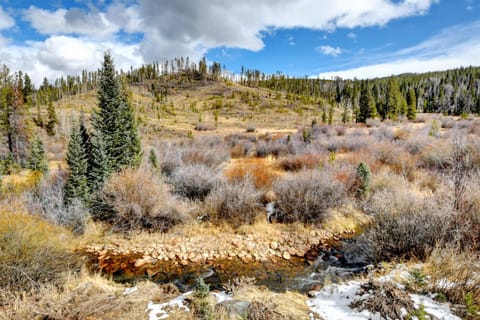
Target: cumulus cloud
(329,50)
(60,55)
(451,48)
(190,27)
(74,37)
(91,23)
(6,21)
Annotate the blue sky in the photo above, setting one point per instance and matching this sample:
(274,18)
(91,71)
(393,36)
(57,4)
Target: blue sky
(360,38)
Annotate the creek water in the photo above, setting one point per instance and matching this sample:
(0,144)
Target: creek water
(295,274)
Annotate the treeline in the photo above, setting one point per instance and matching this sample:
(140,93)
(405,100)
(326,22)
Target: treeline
(452,92)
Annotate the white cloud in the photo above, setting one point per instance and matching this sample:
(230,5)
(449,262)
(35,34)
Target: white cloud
(76,37)
(451,48)
(329,50)
(352,35)
(61,55)
(6,21)
(190,27)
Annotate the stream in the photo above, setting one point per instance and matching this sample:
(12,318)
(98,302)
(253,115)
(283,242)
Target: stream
(297,274)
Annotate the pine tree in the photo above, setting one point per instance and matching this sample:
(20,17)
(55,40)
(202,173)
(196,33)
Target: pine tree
(99,163)
(37,160)
(76,186)
(412,105)
(367,104)
(52,119)
(393,103)
(364,177)
(115,119)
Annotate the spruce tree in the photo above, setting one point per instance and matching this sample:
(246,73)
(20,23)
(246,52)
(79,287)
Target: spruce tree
(115,119)
(99,166)
(76,186)
(52,119)
(37,160)
(367,104)
(412,105)
(393,103)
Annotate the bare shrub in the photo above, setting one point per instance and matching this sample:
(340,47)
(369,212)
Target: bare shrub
(384,298)
(306,196)
(194,181)
(385,152)
(455,273)
(204,127)
(405,165)
(210,150)
(235,203)
(278,147)
(372,123)
(299,162)
(384,132)
(448,123)
(136,199)
(340,130)
(47,201)
(241,149)
(33,252)
(436,156)
(404,226)
(416,143)
(250,129)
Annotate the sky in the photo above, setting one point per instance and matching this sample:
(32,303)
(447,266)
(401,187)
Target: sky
(314,38)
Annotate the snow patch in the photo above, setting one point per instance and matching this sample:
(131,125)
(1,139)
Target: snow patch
(158,312)
(440,311)
(130,290)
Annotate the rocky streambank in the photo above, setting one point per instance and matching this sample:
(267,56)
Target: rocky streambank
(176,254)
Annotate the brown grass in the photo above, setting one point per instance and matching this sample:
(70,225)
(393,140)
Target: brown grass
(260,170)
(299,162)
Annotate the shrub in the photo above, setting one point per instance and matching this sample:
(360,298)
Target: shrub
(235,203)
(404,226)
(260,172)
(455,273)
(299,162)
(306,196)
(47,200)
(33,252)
(193,181)
(372,123)
(210,151)
(204,127)
(135,199)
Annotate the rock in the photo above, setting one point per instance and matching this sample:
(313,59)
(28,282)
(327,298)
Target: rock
(274,245)
(235,309)
(286,255)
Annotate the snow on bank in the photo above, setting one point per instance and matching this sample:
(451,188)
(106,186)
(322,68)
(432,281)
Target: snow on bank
(332,303)
(158,312)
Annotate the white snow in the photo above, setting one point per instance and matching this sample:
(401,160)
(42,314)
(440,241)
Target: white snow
(440,311)
(130,290)
(222,296)
(157,311)
(332,303)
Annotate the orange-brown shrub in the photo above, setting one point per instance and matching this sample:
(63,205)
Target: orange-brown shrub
(299,162)
(261,173)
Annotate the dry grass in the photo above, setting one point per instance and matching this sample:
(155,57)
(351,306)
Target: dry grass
(299,162)
(86,297)
(455,273)
(289,305)
(33,252)
(260,170)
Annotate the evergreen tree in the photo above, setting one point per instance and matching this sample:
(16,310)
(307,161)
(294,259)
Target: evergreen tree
(99,163)
(364,177)
(115,119)
(412,104)
(52,119)
(76,186)
(37,160)
(367,104)
(393,103)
